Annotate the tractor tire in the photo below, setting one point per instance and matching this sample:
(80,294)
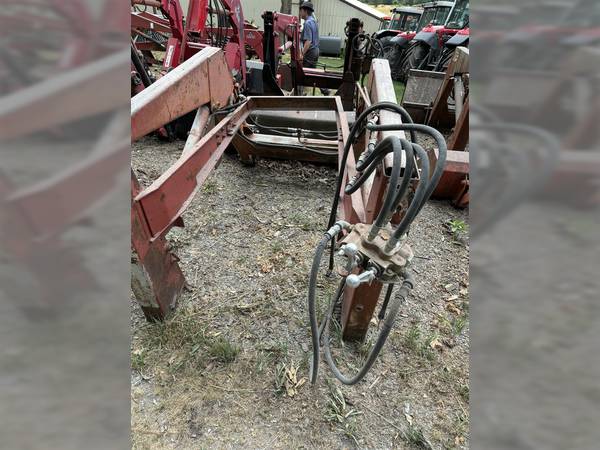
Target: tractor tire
(445,58)
(413,58)
(395,60)
(387,45)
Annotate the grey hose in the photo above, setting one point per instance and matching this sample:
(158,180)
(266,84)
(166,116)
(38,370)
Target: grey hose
(420,196)
(390,319)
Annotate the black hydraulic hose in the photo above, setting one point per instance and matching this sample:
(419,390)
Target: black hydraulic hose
(356,183)
(406,178)
(418,200)
(312,288)
(383,146)
(389,204)
(394,308)
(139,67)
(312,313)
(386,301)
(353,134)
(408,170)
(436,135)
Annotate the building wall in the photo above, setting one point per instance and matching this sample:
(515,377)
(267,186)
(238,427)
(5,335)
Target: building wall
(253,9)
(332,16)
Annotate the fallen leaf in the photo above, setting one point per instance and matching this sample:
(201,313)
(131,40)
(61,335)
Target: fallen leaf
(453,308)
(450,287)
(436,344)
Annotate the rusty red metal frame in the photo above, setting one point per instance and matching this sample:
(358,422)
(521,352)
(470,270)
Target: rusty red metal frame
(203,79)
(359,304)
(157,279)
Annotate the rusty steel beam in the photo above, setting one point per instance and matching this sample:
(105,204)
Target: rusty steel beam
(198,129)
(148,21)
(204,79)
(282,147)
(359,304)
(459,138)
(165,200)
(156,276)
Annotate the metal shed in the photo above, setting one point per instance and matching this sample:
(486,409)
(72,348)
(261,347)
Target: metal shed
(332,15)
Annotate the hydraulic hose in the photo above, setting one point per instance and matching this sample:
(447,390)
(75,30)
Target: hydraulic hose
(312,288)
(392,194)
(390,319)
(389,106)
(139,67)
(367,157)
(417,202)
(353,134)
(435,134)
(408,171)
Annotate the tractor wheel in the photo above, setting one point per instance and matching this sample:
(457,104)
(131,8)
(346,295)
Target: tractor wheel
(413,58)
(395,60)
(388,46)
(444,60)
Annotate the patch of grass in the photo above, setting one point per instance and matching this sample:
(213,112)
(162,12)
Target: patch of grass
(412,337)
(222,350)
(399,88)
(460,428)
(332,63)
(421,346)
(288,380)
(458,228)
(414,437)
(302,221)
(209,187)
(464,392)
(425,350)
(187,344)
(277,247)
(458,324)
(453,325)
(138,359)
(340,415)
(268,356)
(280,378)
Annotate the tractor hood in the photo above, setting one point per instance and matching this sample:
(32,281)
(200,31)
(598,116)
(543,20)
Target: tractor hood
(428,35)
(460,38)
(403,39)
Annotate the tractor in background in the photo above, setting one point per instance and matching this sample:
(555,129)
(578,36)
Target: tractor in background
(434,13)
(429,45)
(403,19)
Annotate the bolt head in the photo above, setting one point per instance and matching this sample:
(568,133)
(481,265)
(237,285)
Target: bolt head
(353,281)
(350,249)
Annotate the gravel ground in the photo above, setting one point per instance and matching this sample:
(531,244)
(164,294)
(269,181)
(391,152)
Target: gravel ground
(229,369)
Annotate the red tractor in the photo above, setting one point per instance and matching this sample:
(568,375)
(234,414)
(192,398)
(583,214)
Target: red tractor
(404,19)
(428,46)
(434,13)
